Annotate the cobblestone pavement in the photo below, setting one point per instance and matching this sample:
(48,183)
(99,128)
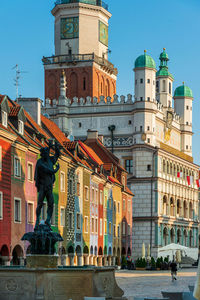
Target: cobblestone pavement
(151,283)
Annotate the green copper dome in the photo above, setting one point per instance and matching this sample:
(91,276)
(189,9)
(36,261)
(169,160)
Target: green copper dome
(183,91)
(163,71)
(145,61)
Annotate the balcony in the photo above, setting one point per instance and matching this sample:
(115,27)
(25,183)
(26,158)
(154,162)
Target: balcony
(73,59)
(91,2)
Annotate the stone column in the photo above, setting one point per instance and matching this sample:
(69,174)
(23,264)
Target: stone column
(71,258)
(105,261)
(63,260)
(95,261)
(91,260)
(109,260)
(86,259)
(5,260)
(99,261)
(80,260)
(114,261)
(21,261)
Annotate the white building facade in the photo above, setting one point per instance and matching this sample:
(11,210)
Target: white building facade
(151,132)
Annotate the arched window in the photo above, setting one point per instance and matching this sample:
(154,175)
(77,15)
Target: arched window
(185,209)
(164,166)
(178,208)
(171,168)
(172,207)
(185,235)
(84,83)
(164,86)
(165,236)
(167,167)
(190,239)
(170,88)
(172,235)
(179,236)
(74,85)
(190,211)
(165,206)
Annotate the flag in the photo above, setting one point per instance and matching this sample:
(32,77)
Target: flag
(198,182)
(189,180)
(180,174)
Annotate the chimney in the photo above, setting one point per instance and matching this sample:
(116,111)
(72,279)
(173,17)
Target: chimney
(92,134)
(33,107)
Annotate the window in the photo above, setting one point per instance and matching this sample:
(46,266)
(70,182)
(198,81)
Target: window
(53,216)
(78,187)
(141,98)
(115,205)
(78,221)
(79,125)
(30,172)
(118,207)
(30,213)
(118,231)
(157,86)
(170,88)
(86,224)
(21,127)
(129,122)
(123,181)
(101,198)
(62,181)
(62,216)
(148,99)
(1,205)
(124,204)
(96,226)
(114,230)
(96,196)
(92,200)
(187,107)
(86,193)
(105,226)
(134,140)
(187,123)
(129,165)
(17,211)
(148,128)
(17,167)
(70,220)
(110,203)
(141,80)
(164,86)
(140,128)
(148,80)
(101,227)
(123,228)
(148,167)
(84,83)
(70,186)
(148,141)
(129,230)
(92,224)
(153,82)
(187,147)
(0,158)
(4,119)
(110,227)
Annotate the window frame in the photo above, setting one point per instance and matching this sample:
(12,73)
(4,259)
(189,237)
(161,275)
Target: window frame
(62,208)
(62,182)
(32,221)
(86,224)
(4,116)
(30,164)
(16,158)
(70,217)
(21,127)
(78,218)
(20,210)
(86,193)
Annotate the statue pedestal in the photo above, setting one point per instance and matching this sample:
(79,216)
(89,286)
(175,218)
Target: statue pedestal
(42,261)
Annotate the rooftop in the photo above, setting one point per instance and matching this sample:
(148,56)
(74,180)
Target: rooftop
(91,2)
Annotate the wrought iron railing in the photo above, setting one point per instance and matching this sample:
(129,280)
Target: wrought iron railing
(92,2)
(73,58)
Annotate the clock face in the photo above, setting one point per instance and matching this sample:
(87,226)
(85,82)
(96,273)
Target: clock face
(103,33)
(69,28)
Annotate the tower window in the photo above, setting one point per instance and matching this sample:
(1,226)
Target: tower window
(187,123)
(148,141)
(134,141)
(187,147)
(148,167)
(101,87)
(79,125)
(148,98)
(129,165)
(129,122)
(141,80)
(135,129)
(141,98)
(148,80)
(164,86)
(187,107)
(157,86)
(140,128)
(148,128)
(84,84)
(170,88)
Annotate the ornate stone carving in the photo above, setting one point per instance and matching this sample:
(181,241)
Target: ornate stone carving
(121,141)
(11,285)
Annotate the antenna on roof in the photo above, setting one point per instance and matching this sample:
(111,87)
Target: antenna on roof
(16,80)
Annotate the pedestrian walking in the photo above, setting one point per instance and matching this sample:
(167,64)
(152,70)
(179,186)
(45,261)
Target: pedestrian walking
(173,267)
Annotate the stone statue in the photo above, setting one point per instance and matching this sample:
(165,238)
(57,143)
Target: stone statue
(44,180)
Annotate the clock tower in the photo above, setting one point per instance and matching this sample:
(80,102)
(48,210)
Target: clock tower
(81,50)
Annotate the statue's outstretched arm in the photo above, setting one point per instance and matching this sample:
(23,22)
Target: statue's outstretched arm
(49,170)
(56,155)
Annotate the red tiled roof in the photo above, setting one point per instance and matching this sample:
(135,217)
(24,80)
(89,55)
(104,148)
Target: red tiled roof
(113,179)
(128,191)
(14,111)
(70,145)
(91,153)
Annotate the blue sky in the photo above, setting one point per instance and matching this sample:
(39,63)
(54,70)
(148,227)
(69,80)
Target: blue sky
(26,31)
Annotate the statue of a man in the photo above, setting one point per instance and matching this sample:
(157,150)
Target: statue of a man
(44,180)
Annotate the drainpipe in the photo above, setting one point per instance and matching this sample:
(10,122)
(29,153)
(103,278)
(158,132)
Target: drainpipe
(112,128)
(153,171)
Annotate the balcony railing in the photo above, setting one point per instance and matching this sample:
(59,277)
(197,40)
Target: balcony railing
(92,2)
(74,58)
